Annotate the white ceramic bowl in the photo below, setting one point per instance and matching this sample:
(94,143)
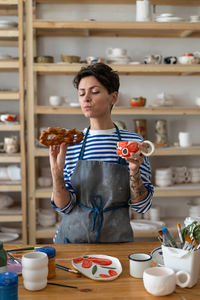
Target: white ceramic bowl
(188,60)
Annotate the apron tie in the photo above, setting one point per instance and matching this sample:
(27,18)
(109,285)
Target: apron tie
(97,211)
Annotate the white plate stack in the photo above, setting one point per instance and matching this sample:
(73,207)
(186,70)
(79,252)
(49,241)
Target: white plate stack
(167,17)
(163,177)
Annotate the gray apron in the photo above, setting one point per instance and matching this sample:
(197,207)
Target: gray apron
(101,214)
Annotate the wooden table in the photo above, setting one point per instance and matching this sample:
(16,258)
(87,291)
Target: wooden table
(124,287)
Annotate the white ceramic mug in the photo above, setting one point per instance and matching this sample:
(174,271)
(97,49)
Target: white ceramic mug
(35,270)
(143,11)
(55,100)
(161,281)
(138,262)
(116,52)
(185,139)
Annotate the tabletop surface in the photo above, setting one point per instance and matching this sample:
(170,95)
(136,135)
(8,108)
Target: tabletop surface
(124,287)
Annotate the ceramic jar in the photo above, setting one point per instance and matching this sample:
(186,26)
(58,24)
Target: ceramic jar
(11,144)
(35,270)
(161,133)
(141,127)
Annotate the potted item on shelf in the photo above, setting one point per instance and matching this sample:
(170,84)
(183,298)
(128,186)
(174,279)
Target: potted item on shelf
(44,59)
(70,58)
(161,133)
(137,101)
(11,144)
(8,118)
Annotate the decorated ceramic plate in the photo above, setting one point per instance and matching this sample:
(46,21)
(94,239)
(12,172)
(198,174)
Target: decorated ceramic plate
(157,256)
(98,267)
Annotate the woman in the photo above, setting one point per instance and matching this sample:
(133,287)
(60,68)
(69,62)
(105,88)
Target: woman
(96,188)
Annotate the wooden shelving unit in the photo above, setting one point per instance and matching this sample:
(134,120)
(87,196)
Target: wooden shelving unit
(38,28)
(14,37)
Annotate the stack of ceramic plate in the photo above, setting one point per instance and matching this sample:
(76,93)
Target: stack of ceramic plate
(8,24)
(119,60)
(168,18)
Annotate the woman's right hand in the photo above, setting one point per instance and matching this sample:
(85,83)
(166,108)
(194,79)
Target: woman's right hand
(57,155)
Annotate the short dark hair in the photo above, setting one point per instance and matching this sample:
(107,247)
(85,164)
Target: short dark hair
(103,73)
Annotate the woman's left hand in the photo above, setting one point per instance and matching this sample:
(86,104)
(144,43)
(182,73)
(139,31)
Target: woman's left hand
(136,159)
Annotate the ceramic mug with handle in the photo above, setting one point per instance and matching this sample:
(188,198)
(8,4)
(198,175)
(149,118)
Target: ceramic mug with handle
(126,148)
(161,281)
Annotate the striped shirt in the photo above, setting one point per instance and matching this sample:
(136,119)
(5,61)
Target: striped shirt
(101,145)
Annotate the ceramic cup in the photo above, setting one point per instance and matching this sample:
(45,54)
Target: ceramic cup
(143,11)
(171,60)
(116,52)
(138,262)
(185,139)
(35,270)
(126,148)
(161,281)
(55,100)
(197,101)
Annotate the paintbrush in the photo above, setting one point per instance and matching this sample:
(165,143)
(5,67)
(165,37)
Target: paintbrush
(13,258)
(188,242)
(66,269)
(22,249)
(180,234)
(64,285)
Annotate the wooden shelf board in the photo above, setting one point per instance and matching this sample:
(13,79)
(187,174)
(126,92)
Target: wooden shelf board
(168,151)
(12,158)
(43,192)
(9,65)
(9,95)
(116,28)
(8,3)
(45,232)
(142,69)
(11,218)
(171,224)
(154,2)
(9,127)
(10,188)
(174,110)
(178,190)
(9,33)
(181,190)
(38,152)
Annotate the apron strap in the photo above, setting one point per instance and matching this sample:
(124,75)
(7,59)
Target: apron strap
(121,160)
(97,212)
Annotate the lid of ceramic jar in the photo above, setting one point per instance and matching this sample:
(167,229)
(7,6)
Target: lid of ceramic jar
(50,251)
(8,278)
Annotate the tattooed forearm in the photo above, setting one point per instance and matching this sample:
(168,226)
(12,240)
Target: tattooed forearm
(137,189)
(60,194)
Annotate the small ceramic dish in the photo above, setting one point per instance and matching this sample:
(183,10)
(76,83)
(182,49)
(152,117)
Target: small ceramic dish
(8,24)
(43,59)
(70,58)
(98,267)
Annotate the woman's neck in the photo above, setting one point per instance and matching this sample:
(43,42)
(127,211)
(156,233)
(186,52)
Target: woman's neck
(101,124)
